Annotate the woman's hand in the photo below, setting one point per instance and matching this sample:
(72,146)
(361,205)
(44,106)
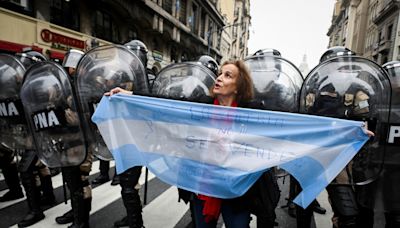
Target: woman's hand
(369,133)
(117,90)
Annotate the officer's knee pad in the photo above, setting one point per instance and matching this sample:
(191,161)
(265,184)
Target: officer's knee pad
(343,201)
(87,192)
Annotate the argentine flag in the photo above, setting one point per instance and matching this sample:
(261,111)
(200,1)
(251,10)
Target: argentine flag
(221,151)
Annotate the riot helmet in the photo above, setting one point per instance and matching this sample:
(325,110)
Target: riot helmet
(209,62)
(268,52)
(140,49)
(30,57)
(72,58)
(336,51)
(392,67)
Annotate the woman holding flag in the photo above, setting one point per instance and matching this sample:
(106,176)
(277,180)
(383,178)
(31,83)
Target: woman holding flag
(233,87)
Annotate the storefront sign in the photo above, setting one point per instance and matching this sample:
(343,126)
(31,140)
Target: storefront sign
(60,41)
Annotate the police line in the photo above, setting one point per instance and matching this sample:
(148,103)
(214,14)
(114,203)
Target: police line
(221,151)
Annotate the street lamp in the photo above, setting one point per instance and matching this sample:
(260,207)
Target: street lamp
(209,34)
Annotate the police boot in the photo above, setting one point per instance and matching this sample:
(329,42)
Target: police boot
(115,180)
(103,177)
(12,180)
(122,222)
(79,209)
(317,207)
(48,197)
(35,213)
(133,206)
(74,182)
(68,217)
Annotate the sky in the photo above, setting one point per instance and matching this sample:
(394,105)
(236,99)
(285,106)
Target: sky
(293,27)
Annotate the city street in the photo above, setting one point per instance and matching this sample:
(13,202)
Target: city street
(162,208)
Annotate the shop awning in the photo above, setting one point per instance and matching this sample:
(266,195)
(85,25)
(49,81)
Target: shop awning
(15,47)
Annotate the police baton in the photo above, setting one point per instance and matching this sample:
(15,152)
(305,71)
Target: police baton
(146,175)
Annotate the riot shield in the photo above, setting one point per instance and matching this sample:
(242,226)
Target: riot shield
(352,87)
(277,82)
(188,81)
(14,132)
(100,70)
(387,188)
(53,117)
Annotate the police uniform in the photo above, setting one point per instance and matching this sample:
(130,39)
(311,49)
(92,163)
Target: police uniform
(29,166)
(345,86)
(10,173)
(77,177)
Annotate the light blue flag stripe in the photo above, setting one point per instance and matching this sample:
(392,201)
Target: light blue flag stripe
(221,151)
(293,127)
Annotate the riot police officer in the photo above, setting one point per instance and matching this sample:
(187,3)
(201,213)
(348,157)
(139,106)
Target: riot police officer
(10,71)
(99,70)
(210,63)
(130,178)
(55,121)
(346,86)
(383,194)
(29,166)
(77,177)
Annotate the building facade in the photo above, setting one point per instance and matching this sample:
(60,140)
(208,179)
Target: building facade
(173,30)
(349,23)
(235,34)
(385,17)
(371,28)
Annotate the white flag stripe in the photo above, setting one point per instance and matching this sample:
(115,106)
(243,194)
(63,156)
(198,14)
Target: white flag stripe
(246,154)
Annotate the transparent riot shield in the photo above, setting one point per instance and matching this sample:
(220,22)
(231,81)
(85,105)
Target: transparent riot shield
(100,70)
(387,189)
(188,81)
(277,82)
(52,113)
(14,132)
(355,88)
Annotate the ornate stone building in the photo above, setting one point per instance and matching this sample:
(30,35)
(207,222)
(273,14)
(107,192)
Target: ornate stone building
(368,27)
(173,30)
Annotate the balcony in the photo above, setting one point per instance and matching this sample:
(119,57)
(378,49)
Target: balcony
(389,7)
(384,46)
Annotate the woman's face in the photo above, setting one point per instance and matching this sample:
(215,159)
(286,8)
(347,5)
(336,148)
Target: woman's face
(226,83)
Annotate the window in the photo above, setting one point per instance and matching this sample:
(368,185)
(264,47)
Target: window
(167,6)
(132,34)
(389,32)
(65,14)
(20,6)
(182,10)
(203,25)
(193,19)
(105,28)
(380,37)
(211,32)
